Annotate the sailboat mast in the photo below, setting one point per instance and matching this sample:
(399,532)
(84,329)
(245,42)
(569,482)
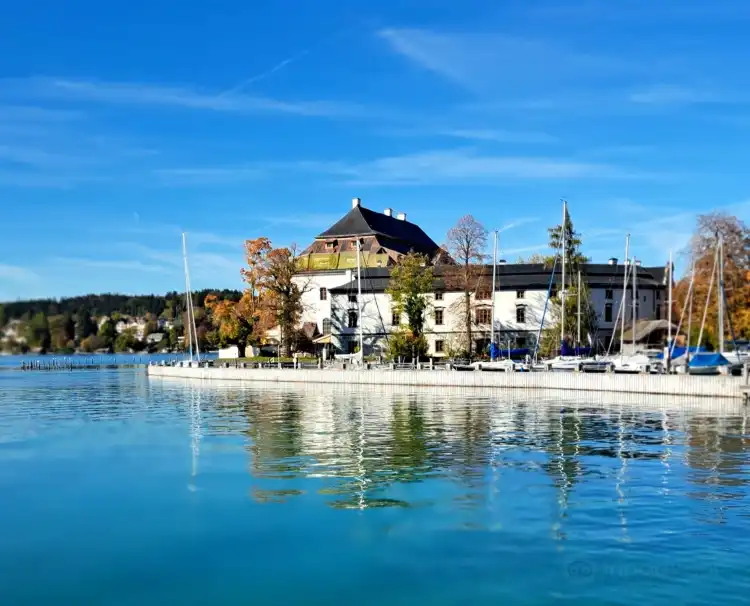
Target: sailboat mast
(494,277)
(669,313)
(562,287)
(690,312)
(624,307)
(635,301)
(187,297)
(359,303)
(578,300)
(721,293)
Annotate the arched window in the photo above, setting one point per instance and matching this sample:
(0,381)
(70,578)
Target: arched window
(327,326)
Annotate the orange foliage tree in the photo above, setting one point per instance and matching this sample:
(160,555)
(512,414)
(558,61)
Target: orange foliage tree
(701,253)
(276,295)
(234,320)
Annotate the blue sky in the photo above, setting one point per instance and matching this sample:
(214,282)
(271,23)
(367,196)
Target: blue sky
(121,126)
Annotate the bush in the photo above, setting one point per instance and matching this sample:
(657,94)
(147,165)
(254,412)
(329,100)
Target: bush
(402,344)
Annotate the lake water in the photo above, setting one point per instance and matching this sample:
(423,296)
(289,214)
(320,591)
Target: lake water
(122,490)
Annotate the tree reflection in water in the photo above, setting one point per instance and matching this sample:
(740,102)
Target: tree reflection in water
(360,449)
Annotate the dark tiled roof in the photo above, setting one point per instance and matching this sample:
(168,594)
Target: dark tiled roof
(522,276)
(402,235)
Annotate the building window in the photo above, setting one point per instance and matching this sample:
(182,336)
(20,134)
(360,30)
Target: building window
(608,312)
(439,346)
(658,312)
(521,342)
(326,326)
(323,294)
(438,296)
(352,319)
(658,295)
(331,244)
(521,314)
(352,298)
(520,294)
(482,295)
(395,318)
(438,317)
(483,316)
(608,294)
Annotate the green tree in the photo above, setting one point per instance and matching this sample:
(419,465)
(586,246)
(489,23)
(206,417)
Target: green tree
(403,344)
(574,258)
(126,341)
(37,332)
(3,318)
(550,341)
(410,282)
(85,325)
(107,333)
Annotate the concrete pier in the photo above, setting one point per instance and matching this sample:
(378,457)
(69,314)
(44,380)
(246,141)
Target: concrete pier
(675,385)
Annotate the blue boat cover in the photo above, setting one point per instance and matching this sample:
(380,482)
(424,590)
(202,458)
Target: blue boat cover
(678,352)
(568,350)
(702,360)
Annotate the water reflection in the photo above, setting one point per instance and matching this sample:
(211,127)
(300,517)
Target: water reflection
(359,449)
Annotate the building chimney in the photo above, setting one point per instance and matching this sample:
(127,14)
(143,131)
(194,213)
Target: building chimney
(388,212)
(613,260)
(356,202)
(401,216)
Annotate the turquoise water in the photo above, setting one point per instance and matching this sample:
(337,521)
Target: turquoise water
(121,490)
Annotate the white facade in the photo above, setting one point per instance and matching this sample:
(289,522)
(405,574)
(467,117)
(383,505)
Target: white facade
(518,315)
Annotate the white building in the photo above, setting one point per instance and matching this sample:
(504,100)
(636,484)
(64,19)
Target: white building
(330,299)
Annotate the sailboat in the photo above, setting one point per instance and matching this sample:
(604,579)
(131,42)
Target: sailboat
(191,329)
(566,362)
(357,358)
(710,363)
(495,364)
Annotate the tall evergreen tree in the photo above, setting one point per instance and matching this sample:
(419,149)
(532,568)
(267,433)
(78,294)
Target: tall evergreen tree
(85,325)
(573,256)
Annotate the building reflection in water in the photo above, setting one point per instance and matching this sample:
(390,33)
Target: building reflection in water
(361,449)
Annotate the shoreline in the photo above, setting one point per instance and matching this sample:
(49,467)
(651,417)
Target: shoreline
(673,385)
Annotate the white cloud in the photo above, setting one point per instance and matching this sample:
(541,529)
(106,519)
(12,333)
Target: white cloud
(664,94)
(485,61)
(518,223)
(436,166)
(460,165)
(142,94)
(115,264)
(16,273)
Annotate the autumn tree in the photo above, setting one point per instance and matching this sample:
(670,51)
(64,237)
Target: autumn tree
(234,320)
(275,295)
(701,255)
(466,243)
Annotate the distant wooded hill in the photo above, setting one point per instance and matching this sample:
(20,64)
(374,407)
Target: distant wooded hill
(108,304)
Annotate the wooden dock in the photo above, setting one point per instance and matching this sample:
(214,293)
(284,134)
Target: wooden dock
(82,363)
